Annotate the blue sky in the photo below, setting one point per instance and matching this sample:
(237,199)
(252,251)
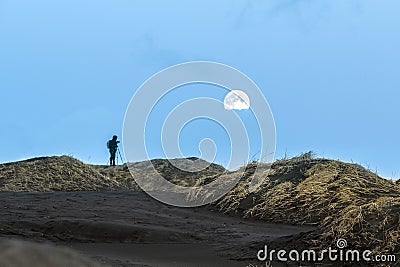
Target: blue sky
(329,69)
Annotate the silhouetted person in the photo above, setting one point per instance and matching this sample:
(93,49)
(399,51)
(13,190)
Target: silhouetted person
(112,146)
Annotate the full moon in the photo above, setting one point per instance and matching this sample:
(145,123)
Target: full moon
(236,99)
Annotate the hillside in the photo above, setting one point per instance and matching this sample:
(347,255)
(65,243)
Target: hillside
(64,173)
(52,174)
(343,200)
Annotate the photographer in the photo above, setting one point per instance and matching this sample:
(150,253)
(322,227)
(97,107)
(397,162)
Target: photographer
(112,146)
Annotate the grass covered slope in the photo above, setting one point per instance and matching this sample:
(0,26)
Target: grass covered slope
(344,200)
(45,174)
(126,173)
(64,173)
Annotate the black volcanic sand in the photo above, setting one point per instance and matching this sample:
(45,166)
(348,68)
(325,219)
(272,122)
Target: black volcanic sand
(131,229)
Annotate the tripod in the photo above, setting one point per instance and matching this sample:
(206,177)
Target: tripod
(119,154)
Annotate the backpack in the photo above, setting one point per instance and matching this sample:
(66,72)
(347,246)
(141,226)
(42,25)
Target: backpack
(112,145)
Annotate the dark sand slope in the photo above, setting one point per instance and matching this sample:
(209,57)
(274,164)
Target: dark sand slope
(128,228)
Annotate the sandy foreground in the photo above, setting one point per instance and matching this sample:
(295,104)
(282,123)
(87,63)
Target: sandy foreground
(129,228)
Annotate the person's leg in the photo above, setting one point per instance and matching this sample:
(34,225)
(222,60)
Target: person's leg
(113,158)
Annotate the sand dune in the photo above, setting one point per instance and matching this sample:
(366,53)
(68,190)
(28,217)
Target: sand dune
(344,200)
(303,202)
(52,174)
